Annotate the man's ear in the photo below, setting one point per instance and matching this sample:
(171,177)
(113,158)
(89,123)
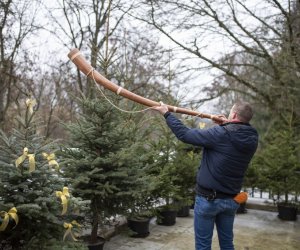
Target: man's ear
(234,115)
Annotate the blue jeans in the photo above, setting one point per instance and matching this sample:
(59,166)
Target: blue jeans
(206,214)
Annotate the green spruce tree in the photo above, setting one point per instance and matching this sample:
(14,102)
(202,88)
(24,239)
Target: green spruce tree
(277,162)
(29,184)
(175,167)
(184,170)
(165,188)
(106,159)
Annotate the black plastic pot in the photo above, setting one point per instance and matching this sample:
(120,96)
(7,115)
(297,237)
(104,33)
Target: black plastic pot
(183,211)
(192,206)
(242,209)
(166,217)
(287,212)
(140,226)
(97,245)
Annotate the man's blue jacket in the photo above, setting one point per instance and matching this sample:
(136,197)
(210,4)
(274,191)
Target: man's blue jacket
(227,151)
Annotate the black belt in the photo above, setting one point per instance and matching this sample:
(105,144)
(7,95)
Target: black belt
(210,194)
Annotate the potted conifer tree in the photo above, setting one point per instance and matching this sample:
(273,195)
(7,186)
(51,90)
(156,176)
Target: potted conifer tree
(168,191)
(141,211)
(251,181)
(102,162)
(279,161)
(185,169)
(165,190)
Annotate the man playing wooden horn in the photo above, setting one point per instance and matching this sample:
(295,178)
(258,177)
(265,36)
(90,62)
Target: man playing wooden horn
(227,151)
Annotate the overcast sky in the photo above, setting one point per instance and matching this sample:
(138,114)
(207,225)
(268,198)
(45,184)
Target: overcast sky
(49,48)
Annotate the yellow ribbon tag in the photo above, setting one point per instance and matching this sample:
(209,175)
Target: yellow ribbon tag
(30,103)
(64,201)
(69,227)
(51,160)
(23,157)
(11,213)
(202,125)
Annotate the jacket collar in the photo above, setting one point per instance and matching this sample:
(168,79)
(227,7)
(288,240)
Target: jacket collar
(235,122)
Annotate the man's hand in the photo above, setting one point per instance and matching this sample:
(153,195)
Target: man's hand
(224,119)
(163,108)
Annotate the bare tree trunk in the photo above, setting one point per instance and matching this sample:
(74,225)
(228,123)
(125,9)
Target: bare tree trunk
(95,223)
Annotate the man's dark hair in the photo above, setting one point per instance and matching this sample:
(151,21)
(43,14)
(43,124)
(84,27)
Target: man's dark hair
(243,110)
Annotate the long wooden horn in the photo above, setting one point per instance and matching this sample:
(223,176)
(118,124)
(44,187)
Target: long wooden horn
(78,59)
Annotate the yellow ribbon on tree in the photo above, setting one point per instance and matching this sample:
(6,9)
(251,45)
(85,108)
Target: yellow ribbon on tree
(30,103)
(202,125)
(11,213)
(69,227)
(23,157)
(64,201)
(51,160)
